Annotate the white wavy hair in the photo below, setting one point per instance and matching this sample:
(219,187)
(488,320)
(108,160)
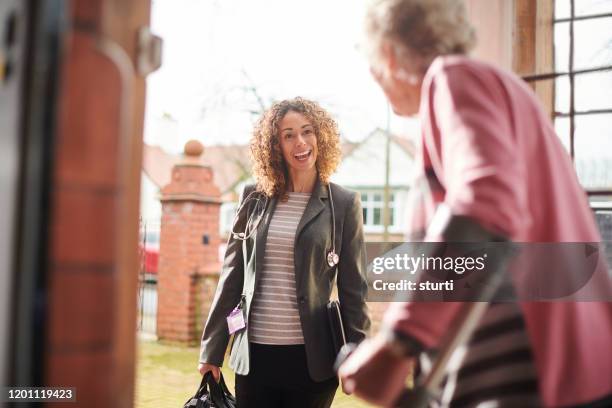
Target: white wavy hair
(418,28)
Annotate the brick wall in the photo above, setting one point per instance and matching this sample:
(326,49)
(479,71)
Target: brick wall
(206,284)
(188,249)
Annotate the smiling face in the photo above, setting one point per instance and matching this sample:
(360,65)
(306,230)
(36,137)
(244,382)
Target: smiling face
(298,143)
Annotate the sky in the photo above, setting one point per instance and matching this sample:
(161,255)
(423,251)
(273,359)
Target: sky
(216,51)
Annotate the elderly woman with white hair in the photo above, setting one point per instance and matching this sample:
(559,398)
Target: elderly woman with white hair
(489,161)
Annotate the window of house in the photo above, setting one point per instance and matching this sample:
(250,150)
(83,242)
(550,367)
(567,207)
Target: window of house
(372,203)
(582,75)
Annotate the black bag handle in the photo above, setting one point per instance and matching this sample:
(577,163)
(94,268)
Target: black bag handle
(202,391)
(203,386)
(226,391)
(219,393)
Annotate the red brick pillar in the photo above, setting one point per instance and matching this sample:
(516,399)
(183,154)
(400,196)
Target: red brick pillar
(188,248)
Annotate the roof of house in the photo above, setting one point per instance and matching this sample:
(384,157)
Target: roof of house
(157,164)
(370,153)
(230,164)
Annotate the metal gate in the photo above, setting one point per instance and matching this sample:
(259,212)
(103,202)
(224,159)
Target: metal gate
(147,278)
(147,307)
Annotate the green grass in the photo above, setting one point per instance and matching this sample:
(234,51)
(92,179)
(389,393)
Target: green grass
(166,376)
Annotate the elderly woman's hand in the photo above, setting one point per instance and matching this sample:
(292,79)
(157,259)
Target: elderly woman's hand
(373,372)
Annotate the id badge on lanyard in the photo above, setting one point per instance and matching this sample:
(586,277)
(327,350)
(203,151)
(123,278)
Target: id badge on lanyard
(235,320)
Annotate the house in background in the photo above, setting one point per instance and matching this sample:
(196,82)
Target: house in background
(363,170)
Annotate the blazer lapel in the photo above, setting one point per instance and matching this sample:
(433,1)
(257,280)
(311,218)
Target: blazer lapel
(315,205)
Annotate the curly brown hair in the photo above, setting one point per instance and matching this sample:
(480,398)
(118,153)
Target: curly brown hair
(269,167)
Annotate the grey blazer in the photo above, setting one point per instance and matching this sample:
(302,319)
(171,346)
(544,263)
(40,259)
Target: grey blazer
(313,277)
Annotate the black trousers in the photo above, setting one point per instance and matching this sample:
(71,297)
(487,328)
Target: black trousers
(278,377)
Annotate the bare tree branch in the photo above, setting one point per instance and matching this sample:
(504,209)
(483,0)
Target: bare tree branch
(252,88)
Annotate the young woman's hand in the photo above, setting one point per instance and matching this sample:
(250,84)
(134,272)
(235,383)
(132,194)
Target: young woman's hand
(203,368)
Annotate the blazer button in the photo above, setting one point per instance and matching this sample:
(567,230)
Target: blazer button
(302,300)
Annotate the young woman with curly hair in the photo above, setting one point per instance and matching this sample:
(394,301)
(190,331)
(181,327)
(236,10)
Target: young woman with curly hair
(276,266)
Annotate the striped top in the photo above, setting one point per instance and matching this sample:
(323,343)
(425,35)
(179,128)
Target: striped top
(274,317)
(496,369)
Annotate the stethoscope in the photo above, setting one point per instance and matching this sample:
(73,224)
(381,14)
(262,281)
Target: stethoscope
(261,203)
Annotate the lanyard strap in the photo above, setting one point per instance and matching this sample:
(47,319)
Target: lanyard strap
(333,216)
(332,256)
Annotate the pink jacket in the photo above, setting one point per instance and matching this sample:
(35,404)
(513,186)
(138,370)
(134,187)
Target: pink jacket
(498,160)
